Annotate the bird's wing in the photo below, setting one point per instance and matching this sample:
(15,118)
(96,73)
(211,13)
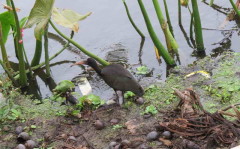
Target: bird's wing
(117,71)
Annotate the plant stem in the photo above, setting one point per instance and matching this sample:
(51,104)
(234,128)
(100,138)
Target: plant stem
(211,3)
(22,72)
(166,56)
(28,64)
(197,27)
(131,20)
(46,51)
(3,49)
(235,8)
(9,73)
(101,61)
(171,42)
(168,17)
(51,58)
(38,53)
(179,13)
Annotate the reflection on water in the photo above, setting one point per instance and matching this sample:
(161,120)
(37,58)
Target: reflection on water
(109,25)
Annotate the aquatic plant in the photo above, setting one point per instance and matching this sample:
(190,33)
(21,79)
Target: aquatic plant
(166,56)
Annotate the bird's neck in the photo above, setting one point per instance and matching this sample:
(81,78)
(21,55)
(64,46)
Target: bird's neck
(96,68)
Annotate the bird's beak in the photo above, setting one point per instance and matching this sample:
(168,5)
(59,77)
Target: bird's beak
(79,63)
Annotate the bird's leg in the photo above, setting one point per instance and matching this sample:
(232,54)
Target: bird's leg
(121,99)
(117,99)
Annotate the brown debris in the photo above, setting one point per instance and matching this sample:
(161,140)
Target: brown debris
(195,124)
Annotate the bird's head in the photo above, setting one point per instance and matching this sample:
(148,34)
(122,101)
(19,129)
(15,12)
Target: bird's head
(90,62)
(139,91)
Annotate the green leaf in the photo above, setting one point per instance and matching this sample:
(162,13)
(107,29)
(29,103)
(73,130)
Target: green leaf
(23,21)
(40,15)
(7,19)
(129,94)
(33,126)
(68,18)
(151,109)
(64,86)
(142,70)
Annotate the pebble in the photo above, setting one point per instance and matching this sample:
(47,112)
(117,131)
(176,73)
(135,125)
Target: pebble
(23,136)
(20,146)
(167,135)
(143,146)
(114,121)
(30,144)
(126,143)
(19,129)
(72,138)
(99,125)
(140,101)
(146,116)
(112,145)
(152,136)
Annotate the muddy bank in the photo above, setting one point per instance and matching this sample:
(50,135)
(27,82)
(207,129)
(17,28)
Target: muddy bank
(51,125)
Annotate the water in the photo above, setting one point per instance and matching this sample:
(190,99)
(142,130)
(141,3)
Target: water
(109,25)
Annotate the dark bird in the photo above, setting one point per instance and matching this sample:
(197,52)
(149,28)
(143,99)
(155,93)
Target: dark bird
(116,76)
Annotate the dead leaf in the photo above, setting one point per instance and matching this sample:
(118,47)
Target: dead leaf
(10,8)
(166,142)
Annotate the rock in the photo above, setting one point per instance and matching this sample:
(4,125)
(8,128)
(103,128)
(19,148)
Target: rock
(118,55)
(114,121)
(72,138)
(118,146)
(30,144)
(23,136)
(112,145)
(47,137)
(126,143)
(140,101)
(99,125)
(143,146)
(19,129)
(146,116)
(20,146)
(152,136)
(167,135)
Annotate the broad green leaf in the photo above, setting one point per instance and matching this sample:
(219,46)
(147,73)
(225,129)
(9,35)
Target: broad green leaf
(7,19)
(64,86)
(68,18)
(40,15)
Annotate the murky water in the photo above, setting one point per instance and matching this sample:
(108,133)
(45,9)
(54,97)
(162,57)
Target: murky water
(109,25)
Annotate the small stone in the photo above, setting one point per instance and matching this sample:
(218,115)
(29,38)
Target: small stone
(30,144)
(20,146)
(99,125)
(114,121)
(152,136)
(143,146)
(112,145)
(118,146)
(72,138)
(146,116)
(19,129)
(167,134)
(126,143)
(47,137)
(140,101)
(23,136)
